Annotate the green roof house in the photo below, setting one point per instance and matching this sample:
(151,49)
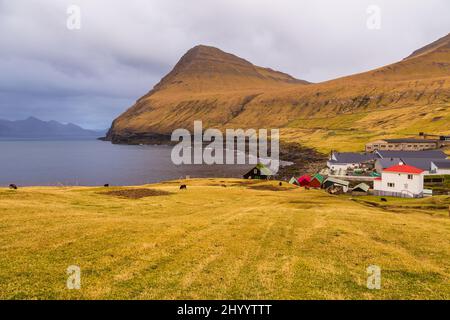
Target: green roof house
(259,172)
(317,181)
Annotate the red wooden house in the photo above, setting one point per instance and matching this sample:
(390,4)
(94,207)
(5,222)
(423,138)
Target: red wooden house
(304,180)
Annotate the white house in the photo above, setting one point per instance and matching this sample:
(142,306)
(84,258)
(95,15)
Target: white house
(400,181)
(340,162)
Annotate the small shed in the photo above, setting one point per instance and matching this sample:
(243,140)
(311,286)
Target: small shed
(333,182)
(260,172)
(316,181)
(304,180)
(361,188)
(294,181)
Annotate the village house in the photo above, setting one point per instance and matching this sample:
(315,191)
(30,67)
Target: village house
(384,163)
(400,181)
(260,171)
(440,167)
(331,182)
(424,154)
(361,189)
(403,145)
(316,181)
(294,181)
(304,180)
(340,162)
(372,164)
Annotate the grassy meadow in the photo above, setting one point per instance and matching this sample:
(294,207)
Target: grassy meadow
(350,132)
(219,239)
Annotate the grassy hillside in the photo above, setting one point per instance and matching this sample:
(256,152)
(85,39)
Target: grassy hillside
(219,239)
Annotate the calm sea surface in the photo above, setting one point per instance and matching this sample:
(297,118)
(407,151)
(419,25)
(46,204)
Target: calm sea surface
(93,162)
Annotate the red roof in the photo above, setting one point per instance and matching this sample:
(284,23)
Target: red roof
(404,169)
(378,179)
(304,178)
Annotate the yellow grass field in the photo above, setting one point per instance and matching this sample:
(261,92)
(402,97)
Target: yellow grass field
(219,239)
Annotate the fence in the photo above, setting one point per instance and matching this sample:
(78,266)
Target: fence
(397,194)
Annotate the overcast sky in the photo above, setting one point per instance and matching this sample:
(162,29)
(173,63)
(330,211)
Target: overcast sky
(90,75)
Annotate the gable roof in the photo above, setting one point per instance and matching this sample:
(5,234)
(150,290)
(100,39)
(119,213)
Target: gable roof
(293,181)
(421,163)
(430,154)
(304,178)
(388,162)
(264,170)
(404,169)
(362,186)
(318,177)
(442,164)
(337,181)
(351,157)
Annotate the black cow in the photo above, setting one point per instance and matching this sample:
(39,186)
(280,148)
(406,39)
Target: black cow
(383,200)
(183,187)
(106,185)
(13,186)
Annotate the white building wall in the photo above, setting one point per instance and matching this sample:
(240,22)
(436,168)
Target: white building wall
(436,171)
(342,166)
(401,183)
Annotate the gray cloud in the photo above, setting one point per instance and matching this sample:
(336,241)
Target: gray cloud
(91,75)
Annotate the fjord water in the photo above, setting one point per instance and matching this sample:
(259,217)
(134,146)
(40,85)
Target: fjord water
(93,162)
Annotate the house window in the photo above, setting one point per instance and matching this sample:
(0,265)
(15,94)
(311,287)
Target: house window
(410,176)
(391,185)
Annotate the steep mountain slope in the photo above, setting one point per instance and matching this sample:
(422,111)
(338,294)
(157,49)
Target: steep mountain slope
(206,84)
(35,128)
(225,91)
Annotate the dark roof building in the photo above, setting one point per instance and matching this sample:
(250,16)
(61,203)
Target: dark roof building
(259,172)
(384,163)
(351,157)
(428,154)
(422,163)
(442,164)
(403,144)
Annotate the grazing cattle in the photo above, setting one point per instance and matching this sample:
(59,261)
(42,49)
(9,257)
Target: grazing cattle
(383,200)
(280,184)
(13,186)
(106,185)
(183,187)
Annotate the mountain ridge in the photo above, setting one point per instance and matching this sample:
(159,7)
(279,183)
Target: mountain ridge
(230,91)
(33,127)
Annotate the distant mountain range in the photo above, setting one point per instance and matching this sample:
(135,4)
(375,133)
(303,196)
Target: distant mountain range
(225,91)
(33,128)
